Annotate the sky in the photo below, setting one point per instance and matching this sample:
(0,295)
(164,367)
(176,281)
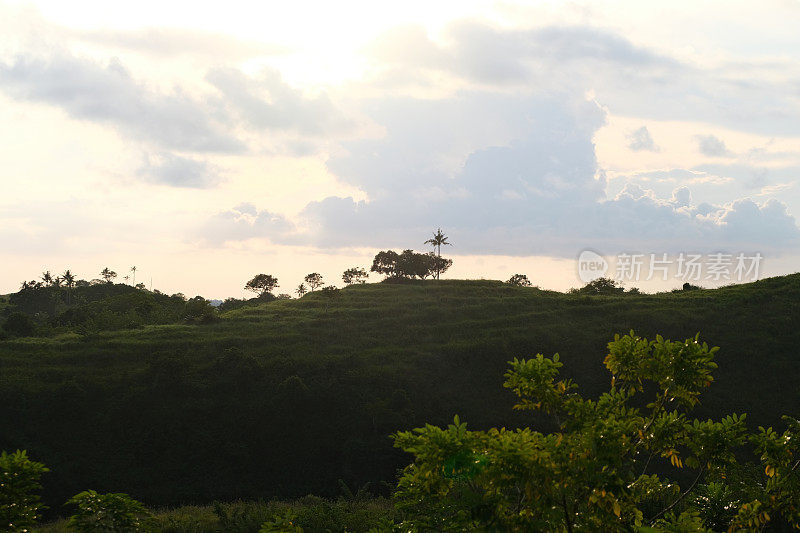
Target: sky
(205,146)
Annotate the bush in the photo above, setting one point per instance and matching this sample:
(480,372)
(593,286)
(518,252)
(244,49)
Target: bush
(198,310)
(19,482)
(112,513)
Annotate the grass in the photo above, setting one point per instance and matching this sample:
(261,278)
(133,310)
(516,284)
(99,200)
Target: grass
(286,398)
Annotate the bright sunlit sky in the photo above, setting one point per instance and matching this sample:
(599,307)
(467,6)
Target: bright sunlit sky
(207,143)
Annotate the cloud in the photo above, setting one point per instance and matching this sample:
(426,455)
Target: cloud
(108,94)
(485,54)
(177,171)
(164,42)
(540,192)
(757,225)
(712,146)
(750,176)
(682,197)
(267,102)
(245,222)
(641,140)
(627,78)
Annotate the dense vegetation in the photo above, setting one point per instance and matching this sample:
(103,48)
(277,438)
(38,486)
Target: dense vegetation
(609,464)
(89,309)
(286,398)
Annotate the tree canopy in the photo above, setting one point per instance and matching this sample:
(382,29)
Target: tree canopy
(355,275)
(409,264)
(314,280)
(262,284)
(607,466)
(519,280)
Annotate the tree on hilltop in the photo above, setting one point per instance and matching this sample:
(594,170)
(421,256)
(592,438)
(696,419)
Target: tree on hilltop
(437,241)
(355,275)
(385,262)
(314,280)
(69,282)
(108,275)
(300,290)
(409,264)
(262,284)
(519,280)
(600,286)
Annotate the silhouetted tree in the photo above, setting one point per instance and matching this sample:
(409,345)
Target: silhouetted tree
(301,290)
(30,285)
(133,270)
(600,286)
(355,275)
(108,275)
(47,278)
(437,241)
(385,262)
(314,280)
(69,282)
(409,264)
(440,265)
(262,284)
(519,280)
(68,278)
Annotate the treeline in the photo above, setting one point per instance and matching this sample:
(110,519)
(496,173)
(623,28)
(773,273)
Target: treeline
(42,309)
(397,267)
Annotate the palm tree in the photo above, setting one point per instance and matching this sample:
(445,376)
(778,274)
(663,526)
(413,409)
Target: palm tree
(69,281)
(301,290)
(47,278)
(133,269)
(108,275)
(437,241)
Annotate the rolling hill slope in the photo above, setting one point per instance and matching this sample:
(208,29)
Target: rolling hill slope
(288,397)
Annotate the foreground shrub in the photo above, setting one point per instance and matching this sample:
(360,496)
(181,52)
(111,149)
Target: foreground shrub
(19,483)
(604,467)
(112,513)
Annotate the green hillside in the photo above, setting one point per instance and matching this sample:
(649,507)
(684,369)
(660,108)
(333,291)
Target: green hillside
(287,397)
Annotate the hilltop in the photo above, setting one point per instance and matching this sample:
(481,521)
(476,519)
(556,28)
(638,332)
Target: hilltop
(284,398)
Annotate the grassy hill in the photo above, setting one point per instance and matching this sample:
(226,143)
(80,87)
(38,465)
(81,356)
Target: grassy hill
(287,397)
